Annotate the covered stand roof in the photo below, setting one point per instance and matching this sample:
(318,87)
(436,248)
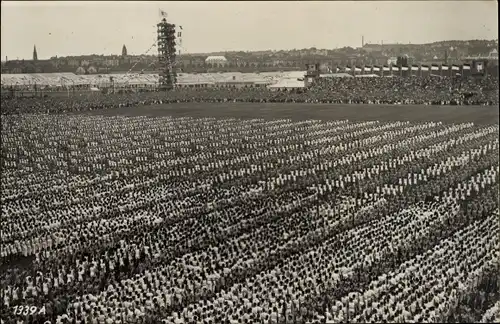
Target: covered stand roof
(287,79)
(287,84)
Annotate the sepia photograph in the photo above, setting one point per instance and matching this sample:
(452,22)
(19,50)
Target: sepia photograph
(249,162)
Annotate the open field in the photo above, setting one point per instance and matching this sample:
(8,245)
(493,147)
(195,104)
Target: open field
(449,114)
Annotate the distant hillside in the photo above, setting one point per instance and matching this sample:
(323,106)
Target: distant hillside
(271,60)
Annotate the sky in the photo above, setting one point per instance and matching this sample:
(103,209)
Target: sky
(103,27)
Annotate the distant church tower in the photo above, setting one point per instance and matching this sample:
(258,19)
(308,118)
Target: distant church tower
(35,55)
(124,50)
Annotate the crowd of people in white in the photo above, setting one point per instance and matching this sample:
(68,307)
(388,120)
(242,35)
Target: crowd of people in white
(183,220)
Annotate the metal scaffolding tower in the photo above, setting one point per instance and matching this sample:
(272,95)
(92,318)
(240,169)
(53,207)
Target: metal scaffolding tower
(166,55)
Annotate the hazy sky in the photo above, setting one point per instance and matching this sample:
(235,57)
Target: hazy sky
(75,28)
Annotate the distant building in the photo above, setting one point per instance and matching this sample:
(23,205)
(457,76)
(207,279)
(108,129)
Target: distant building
(219,60)
(111,62)
(135,59)
(35,55)
(80,70)
(493,54)
(372,47)
(73,62)
(392,61)
(124,50)
(278,62)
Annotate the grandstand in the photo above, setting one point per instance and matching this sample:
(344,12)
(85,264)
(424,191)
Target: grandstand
(63,80)
(222,79)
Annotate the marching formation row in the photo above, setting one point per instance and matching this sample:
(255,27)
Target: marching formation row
(142,219)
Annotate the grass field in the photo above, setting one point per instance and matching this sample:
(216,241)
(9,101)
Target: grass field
(482,115)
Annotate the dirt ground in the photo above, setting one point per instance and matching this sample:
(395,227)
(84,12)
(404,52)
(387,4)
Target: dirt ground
(298,111)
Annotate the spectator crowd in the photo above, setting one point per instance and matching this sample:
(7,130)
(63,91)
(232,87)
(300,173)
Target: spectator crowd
(182,220)
(430,90)
(394,91)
